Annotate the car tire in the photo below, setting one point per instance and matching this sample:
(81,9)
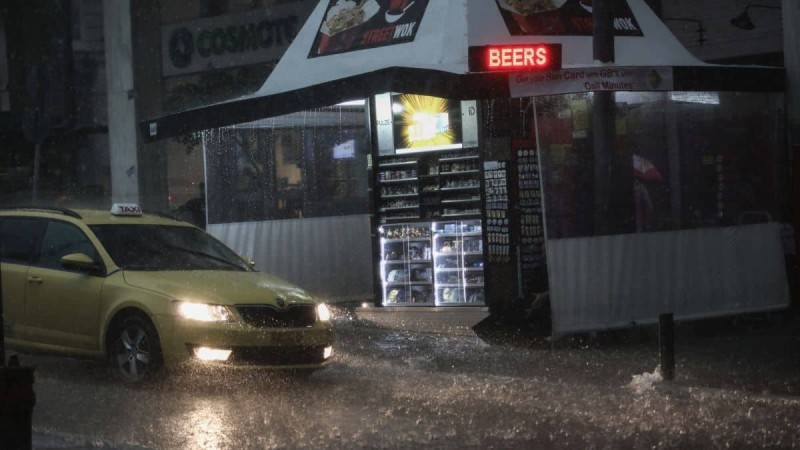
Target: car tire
(135,349)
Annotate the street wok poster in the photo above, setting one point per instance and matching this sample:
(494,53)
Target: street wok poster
(350,25)
(562,18)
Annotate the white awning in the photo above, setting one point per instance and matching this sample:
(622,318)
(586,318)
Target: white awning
(428,52)
(447,28)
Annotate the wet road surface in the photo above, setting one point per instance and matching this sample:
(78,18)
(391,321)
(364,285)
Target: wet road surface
(393,389)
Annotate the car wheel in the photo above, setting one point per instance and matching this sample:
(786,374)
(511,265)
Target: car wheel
(135,349)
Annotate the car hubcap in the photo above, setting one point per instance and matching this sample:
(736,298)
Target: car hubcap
(133,355)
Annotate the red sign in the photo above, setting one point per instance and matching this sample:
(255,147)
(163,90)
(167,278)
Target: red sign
(511,58)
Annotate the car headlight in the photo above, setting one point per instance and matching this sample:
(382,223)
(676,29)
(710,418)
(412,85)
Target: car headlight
(203,312)
(323,313)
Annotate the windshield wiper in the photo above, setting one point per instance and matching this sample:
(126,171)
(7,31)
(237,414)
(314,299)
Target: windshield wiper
(205,255)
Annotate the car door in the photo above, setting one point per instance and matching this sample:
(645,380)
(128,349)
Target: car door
(62,306)
(19,238)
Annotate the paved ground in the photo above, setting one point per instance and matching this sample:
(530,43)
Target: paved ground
(737,386)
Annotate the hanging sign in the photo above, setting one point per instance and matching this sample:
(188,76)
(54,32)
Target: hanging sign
(500,58)
(350,25)
(562,18)
(591,79)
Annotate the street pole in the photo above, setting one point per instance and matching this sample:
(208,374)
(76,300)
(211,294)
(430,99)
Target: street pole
(604,116)
(791,57)
(2,322)
(666,346)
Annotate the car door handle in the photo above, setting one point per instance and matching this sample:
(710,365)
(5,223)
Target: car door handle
(37,280)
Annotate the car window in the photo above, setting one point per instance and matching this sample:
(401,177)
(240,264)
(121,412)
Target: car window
(60,239)
(161,247)
(18,238)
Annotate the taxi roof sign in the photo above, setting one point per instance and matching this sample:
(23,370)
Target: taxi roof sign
(126,209)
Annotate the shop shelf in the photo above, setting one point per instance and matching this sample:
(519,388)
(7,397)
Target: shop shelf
(458,158)
(399,195)
(399,164)
(399,208)
(460,172)
(465,214)
(462,200)
(440,234)
(398,219)
(398,180)
(461,188)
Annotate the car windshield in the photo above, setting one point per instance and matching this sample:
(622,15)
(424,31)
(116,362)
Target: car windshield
(162,247)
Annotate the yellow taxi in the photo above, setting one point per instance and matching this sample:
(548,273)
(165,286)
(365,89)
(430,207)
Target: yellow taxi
(147,291)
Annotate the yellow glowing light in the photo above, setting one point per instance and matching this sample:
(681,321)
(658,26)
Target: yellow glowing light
(427,122)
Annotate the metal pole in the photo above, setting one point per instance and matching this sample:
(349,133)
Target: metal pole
(603,116)
(2,322)
(666,345)
(37,163)
(603,30)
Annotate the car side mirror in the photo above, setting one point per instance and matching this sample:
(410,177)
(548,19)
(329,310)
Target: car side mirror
(80,262)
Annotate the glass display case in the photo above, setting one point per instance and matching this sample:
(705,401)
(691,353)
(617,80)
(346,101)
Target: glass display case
(425,263)
(458,263)
(406,264)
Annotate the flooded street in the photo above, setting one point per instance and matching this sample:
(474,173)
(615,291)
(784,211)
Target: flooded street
(739,388)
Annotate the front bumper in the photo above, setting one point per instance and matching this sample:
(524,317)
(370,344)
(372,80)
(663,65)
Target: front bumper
(285,348)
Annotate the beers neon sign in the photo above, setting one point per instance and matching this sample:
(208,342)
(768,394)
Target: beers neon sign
(505,58)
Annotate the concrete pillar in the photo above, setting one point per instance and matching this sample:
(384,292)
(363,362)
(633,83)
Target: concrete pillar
(791,58)
(122,129)
(791,52)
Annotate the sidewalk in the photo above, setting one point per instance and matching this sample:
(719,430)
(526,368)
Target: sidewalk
(59,441)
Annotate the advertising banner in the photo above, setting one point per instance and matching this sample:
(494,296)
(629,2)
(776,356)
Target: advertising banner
(591,79)
(562,18)
(350,25)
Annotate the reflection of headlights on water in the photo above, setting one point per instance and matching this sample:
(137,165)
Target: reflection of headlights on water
(323,313)
(203,312)
(211,354)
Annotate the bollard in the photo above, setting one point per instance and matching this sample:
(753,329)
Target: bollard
(17,400)
(666,346)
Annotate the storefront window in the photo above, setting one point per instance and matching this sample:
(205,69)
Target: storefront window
(309,164)
(678,160)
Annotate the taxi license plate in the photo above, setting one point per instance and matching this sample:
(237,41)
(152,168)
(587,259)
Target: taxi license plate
(287,338)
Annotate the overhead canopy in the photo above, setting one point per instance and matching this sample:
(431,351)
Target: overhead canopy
(425,48)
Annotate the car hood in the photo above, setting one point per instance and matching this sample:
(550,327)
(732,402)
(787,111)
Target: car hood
(221,287)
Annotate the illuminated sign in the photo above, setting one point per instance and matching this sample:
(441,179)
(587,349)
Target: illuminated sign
(423,123)
(512,58)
